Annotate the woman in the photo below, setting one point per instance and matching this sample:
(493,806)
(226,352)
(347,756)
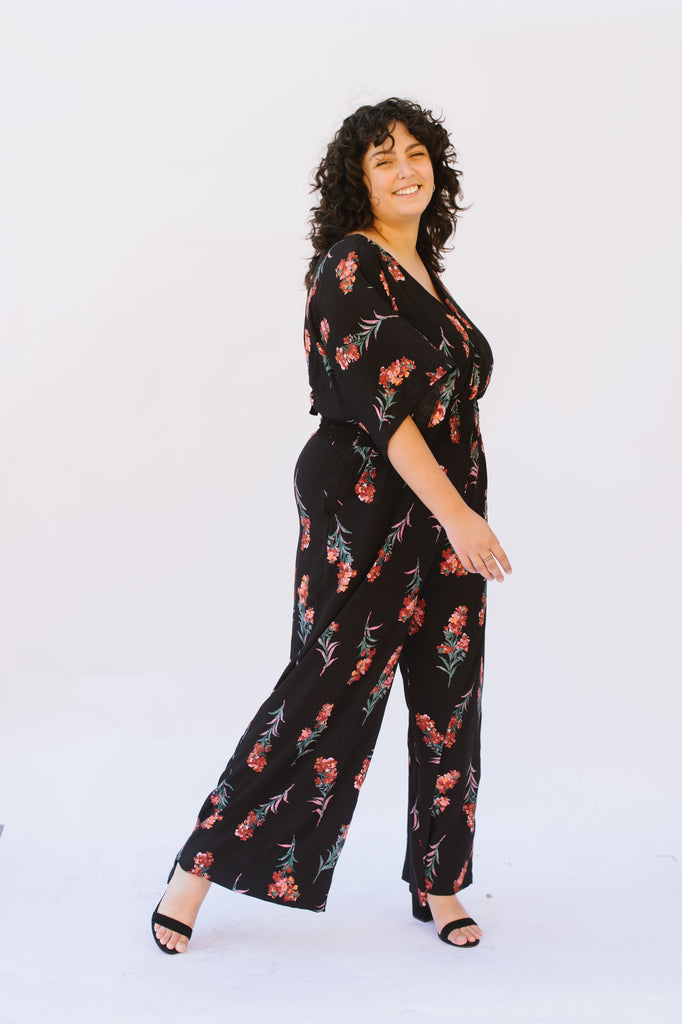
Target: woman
(393,558)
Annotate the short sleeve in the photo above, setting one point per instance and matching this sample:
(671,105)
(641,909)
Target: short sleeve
(378,366)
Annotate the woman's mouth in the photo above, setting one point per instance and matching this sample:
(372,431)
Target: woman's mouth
(409,190)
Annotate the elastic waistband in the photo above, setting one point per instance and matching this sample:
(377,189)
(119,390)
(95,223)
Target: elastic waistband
(348,432)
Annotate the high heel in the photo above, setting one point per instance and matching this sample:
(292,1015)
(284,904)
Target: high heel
(423,913)
(169,922)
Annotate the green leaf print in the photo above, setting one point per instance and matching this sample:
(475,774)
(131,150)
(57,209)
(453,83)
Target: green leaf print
(380,691)
(283,885)
(326,645)
(339,553)
(355,344)
(333,854)
(257,759)
(410,599)
(431,861)
(470,797)
(454,649)
(366,651)
(256,817)
(395,535)
(310,735)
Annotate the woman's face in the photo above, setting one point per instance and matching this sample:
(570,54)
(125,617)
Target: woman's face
(399,177)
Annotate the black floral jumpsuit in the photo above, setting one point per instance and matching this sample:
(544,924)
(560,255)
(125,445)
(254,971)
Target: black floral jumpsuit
(377,586)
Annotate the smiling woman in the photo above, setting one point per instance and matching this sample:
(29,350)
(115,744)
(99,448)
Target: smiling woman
(374,138)
(393,559)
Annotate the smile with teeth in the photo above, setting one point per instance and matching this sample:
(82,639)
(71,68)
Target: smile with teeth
(409,191)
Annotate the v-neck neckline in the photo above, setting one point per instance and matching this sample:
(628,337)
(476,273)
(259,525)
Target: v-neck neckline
(442,305)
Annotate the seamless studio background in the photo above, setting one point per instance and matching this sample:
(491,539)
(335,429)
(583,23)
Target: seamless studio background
(155,191)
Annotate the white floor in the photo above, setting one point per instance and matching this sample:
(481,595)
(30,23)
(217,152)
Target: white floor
(581,919)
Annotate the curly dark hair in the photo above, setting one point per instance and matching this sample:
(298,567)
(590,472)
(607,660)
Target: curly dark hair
(344,204)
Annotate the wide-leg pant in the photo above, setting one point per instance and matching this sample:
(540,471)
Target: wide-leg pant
(377,587)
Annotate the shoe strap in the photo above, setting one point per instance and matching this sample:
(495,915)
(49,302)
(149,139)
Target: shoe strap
(452,926)
(175,926)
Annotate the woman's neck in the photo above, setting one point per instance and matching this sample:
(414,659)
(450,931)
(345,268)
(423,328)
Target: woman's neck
(400,242)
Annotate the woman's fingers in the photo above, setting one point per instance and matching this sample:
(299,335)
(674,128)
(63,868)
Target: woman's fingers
(487,564)
(490,568)
(477,547)
(501,557)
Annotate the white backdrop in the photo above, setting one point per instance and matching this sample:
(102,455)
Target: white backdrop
(155,163)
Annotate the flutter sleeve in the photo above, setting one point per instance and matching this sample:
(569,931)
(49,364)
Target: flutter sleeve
(368,364)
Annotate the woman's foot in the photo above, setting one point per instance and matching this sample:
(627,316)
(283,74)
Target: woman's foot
(181,900)
(448,908)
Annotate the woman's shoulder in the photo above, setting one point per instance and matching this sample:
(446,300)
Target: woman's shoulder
(351,253)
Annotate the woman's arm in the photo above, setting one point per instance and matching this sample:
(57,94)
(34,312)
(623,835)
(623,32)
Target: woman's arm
(469,533)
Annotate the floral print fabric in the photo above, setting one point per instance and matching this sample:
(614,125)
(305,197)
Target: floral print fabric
(377,587)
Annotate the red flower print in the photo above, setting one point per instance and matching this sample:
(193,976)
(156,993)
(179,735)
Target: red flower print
(305,536)
(257,759)
(245,830)
(394,268)
(396,372)
(362,774)
(447,781)
(347,354)
(324,713)
(306,342)
(210,821)
(326,771)
(332,555)
(435,375)
(303,588)
(407,610)
(345,272)
(364,488)
(430,734)
(418,618)
(454,428)
(422,897)
(450,564)
(470,810)
(382,558)
(481,614)
(283,886)
(309,736)
(345,575)
(202,863)
(440,803)
(458,620)
(454,724)
(438,414)
(324,330)
(461,330)
(463,643)
(362,666)
(460,878)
